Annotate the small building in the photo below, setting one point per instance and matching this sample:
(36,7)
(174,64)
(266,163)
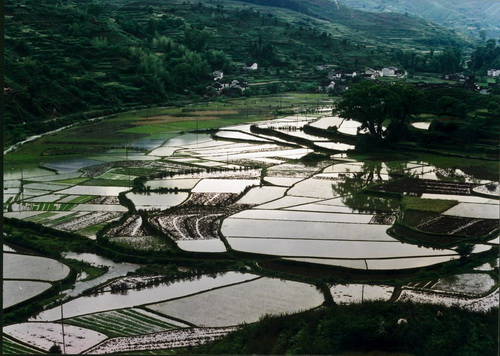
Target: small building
(218,75)
(493,72)
(250,66)
(335,74)
(388,72)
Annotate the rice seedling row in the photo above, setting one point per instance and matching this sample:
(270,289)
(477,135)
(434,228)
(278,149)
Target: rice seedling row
(122,322)
(11,347)
(51,206)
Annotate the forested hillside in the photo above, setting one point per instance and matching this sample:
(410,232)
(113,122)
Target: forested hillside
(68,60)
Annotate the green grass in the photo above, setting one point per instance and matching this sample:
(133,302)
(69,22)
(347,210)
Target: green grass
(62,219)
(73,180)
(82,199)
(51,206)
(148,129)
(123,322)
(92,271)
(430,205)
(91,230)
(40,218)
(10,347)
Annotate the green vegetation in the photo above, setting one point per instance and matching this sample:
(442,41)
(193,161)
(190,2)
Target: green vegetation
(10,347)
(123,322)
(431,205)
(91,271)
(374,105)
(370,326)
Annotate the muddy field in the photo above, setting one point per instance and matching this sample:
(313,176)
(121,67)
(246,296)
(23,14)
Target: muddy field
(417,187)
(199,218)
(450,225)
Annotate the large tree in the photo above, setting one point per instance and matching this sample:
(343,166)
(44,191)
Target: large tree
(383,109)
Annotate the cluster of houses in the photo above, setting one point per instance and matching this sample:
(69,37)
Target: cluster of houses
(493,72)
(235,86)
(338,78)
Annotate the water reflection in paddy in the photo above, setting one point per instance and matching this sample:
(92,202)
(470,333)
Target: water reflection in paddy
(15,292)
(162,201)
(333,248)
(378,264)
(114,270)
(109,301)
(189,139)
(71,165)
(357,293)
(202,245)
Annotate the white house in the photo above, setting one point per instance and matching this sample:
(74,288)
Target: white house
(250,66)
(493,72)
(388,72)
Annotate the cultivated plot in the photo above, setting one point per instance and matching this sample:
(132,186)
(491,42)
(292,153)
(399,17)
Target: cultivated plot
(242,303)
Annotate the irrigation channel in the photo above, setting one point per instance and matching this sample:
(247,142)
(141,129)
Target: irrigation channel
(245,190)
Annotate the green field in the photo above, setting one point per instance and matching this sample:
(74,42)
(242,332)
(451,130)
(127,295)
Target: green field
(123,322)
(10,347)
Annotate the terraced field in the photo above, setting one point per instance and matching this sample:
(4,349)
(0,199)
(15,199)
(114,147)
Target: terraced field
(256,198)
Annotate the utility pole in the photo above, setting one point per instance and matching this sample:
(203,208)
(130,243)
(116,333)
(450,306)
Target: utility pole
(62,322)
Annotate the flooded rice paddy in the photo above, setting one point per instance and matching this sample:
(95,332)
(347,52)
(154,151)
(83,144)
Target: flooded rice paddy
(247,192)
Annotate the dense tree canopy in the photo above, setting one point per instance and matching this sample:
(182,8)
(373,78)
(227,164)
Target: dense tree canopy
(382,109)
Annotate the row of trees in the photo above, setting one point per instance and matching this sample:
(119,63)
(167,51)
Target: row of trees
(447,61)
(451,59)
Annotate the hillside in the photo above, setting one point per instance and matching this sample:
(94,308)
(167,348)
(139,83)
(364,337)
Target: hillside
(469,17)
(66,61)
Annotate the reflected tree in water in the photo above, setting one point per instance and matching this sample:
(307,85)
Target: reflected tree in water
(351,189)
